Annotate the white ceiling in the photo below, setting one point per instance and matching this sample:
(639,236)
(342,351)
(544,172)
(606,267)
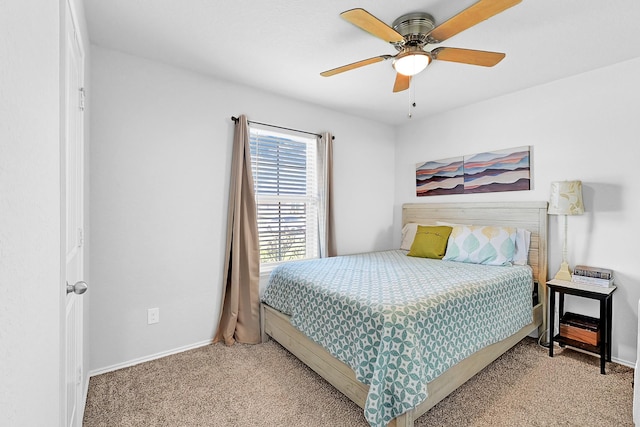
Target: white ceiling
(281,46)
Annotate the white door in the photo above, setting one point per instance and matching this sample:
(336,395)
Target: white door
(73,202)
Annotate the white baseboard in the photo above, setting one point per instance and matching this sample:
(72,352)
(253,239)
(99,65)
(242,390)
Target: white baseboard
(613,359)
(148,358)
(623,362)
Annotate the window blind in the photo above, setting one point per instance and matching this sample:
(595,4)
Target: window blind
(286,189)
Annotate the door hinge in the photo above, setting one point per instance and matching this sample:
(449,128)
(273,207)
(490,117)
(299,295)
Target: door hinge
(80,237)
(82,97)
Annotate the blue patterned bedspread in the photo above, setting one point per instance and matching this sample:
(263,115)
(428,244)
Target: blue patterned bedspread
(399,321)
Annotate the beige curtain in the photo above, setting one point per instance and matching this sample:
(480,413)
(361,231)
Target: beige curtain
(325,217)
(240,317)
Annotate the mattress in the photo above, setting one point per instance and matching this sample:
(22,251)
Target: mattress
(398,321)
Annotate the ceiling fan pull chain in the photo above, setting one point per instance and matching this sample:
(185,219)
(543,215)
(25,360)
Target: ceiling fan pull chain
(412,99)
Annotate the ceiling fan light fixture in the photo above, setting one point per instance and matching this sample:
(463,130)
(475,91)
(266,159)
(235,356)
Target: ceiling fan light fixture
(410,63)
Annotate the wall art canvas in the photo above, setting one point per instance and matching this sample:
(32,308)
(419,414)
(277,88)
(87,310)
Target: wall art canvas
(440,177)
(492,171)
(503,170)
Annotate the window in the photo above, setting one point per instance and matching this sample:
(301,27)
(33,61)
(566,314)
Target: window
(286,190)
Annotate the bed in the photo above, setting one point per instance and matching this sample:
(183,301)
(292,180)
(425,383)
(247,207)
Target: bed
(393,376)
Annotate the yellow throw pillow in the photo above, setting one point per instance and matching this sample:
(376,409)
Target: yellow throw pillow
(430,241)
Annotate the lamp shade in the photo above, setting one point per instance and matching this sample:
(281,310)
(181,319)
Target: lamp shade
(566,198)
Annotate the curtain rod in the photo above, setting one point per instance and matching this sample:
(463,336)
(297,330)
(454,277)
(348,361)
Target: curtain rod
(235,120)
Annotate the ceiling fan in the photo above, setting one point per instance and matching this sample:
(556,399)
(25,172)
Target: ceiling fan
(410,33)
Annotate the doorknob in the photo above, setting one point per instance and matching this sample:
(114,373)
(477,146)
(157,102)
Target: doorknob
(79,288)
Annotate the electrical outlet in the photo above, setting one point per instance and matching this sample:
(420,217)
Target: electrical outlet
(153,316)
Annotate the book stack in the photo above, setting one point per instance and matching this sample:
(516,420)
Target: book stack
(592,276)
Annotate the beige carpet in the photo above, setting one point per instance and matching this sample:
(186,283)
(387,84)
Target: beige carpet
(264,385)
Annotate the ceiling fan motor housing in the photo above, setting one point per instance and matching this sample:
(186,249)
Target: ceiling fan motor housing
(415,28)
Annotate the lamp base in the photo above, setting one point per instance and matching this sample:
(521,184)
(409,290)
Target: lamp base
(564,273)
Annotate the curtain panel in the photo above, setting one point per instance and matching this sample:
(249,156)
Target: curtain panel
(240,316)
(326,234)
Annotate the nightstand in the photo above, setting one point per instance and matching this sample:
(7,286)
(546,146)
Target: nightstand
(602,325)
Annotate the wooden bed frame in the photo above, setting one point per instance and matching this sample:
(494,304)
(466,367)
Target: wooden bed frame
(529,215)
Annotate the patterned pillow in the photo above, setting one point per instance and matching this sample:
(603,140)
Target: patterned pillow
(481,245)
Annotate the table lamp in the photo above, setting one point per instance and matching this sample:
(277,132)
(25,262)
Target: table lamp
(565,199)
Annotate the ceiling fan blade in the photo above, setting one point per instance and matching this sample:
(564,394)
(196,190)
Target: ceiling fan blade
(467,56)
(484,9)
(355,65)
(363,19)
(402,82)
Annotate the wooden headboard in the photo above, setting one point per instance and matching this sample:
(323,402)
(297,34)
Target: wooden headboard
(529,215)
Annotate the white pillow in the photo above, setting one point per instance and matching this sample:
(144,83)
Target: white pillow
(408,234)
(523,240)
(487,245)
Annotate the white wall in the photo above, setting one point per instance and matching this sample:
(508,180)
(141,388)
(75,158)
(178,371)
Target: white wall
(160,159)
(584,127)
(30,255)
